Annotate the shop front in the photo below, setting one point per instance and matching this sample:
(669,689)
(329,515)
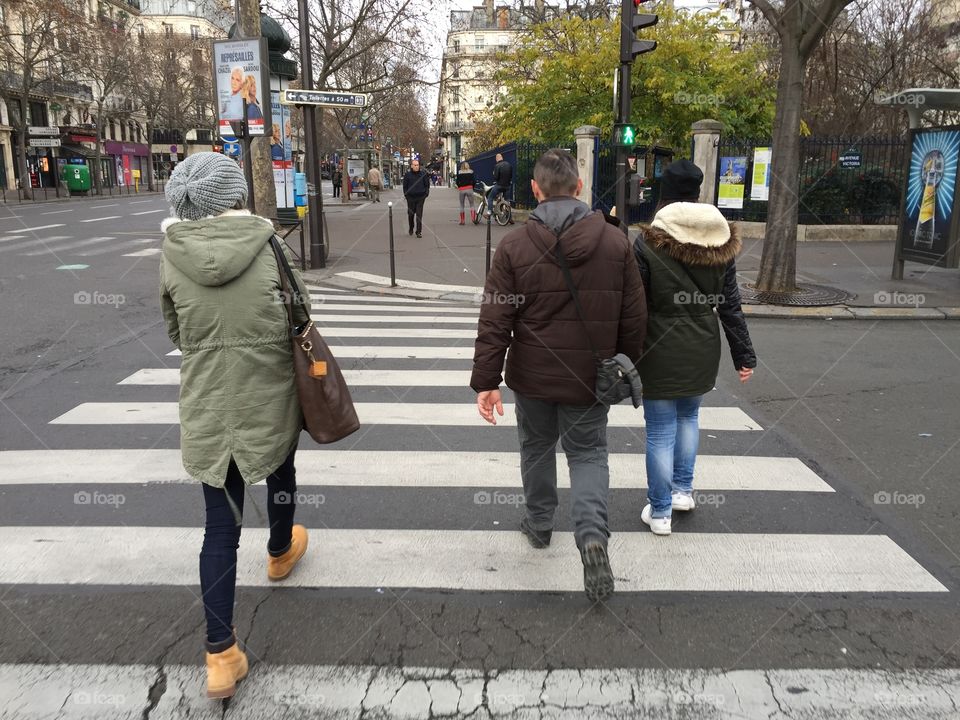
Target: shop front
(127,161)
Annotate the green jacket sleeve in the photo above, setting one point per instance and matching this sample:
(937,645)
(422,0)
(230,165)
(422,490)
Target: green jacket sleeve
(169,311)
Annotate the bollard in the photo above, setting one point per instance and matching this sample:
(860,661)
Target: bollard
(489,219)
(393,262)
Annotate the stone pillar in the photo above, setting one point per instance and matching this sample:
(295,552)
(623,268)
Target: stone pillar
(586,159)
(706,139)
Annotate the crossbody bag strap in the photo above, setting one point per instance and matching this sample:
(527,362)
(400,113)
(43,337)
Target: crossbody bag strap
(289,287)
(565,267)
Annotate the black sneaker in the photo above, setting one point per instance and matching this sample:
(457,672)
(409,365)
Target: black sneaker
(419,235)
(538,539)
(409,232)
(597,575)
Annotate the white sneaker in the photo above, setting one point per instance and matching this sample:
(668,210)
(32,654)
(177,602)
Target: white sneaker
(683,502)
(659,526)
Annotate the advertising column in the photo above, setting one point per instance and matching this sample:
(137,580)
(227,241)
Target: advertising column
(281,149)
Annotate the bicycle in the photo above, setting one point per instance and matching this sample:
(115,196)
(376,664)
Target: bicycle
(502,211)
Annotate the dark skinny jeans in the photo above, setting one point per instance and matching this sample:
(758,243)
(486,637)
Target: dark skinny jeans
(218,557)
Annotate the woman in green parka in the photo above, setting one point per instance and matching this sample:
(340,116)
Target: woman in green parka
(239,416)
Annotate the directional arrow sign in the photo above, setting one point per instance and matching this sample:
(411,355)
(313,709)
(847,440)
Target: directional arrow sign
(324,98)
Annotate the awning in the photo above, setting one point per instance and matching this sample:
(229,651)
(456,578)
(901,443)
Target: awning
(81,138)
(77,150)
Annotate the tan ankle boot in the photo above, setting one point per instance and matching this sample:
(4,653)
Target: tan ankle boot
(224,670)
(280,567)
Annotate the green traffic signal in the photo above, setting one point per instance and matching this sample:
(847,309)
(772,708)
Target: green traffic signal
(628,135)
(624,134)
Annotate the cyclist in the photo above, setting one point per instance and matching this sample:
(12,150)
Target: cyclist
(502,181)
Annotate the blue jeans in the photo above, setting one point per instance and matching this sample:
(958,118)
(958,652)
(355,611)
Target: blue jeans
(673,433)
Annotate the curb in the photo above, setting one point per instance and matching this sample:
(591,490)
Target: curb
(772,312)
(76,198)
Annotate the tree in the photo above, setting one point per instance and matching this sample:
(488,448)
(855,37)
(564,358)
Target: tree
(800,25)
(35,42)
(560,77)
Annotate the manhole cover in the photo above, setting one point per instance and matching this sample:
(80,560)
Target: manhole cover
(805,295)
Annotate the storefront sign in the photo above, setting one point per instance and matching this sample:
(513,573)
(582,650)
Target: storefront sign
(928,227)
(733,182)
(760,188)
(242,76)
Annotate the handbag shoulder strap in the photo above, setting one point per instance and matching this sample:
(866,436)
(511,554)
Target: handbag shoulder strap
(568,277)
(288,283)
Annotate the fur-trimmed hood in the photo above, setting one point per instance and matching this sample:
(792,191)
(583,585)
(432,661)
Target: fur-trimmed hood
(693,234)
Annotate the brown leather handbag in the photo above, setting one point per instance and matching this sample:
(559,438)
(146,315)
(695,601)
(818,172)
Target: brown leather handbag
(328,412)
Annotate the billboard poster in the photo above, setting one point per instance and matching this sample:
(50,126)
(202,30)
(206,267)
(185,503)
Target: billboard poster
(241,73)
(281,152)
(733,182)
(928,211)
(760,188)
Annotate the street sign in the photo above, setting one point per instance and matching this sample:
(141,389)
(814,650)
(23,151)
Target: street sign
(851,159)
(43,131)
(45,142)
(324,98)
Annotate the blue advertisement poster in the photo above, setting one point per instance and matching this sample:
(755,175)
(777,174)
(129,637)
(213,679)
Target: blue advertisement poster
(928,212)
(733,182)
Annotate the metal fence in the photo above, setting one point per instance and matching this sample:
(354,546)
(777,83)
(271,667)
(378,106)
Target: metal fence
(862,189)
(523,157)
(647,162)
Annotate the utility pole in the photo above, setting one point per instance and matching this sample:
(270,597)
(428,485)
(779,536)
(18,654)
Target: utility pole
(624,133)
(257,150)
(318,245)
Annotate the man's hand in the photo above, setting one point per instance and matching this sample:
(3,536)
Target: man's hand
(745,374)
(486,402)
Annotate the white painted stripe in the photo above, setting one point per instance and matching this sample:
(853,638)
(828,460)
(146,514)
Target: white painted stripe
(69,246)
(319,310)
(9,238)
(149,212)
(97,207)
(413,285)
(140,202)
(367,378)
(57,212)
(498,561)
(434,414)
(414,692)
(34,242)
(411,352)
(144,253)
(333,332)
(398,468)
(99,219)
(397,303)
(41,227)
(124,245)
(321,288)
(322,319)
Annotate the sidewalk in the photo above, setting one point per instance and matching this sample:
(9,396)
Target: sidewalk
(11,198)
(449,263)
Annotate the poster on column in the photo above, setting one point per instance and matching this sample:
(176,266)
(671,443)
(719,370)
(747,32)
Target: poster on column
(927,228)
(242,77)
(760,189)
(281,152)
(733,179)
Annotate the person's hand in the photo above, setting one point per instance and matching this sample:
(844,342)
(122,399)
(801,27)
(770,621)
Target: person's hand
(486,402)
(745,374)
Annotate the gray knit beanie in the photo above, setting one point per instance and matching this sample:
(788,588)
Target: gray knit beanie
(206,183)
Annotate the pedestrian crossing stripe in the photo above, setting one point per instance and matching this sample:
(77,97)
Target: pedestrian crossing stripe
(399,468)
(318,310)
(393,352)
(324,319)
(411,284)
(397,413)
(144,253)
(358,378)
(473,560)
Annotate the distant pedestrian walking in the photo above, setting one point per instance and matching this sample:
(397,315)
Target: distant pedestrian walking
(687,260)
(374,184)
(240,419)
(416,189)
(465,183)
(551,366)
(337,179)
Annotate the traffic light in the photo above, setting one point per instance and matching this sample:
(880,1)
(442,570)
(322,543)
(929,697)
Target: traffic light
(624,134)
(631,21)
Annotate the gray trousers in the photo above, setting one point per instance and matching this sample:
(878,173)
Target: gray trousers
(373,193)
(582,431)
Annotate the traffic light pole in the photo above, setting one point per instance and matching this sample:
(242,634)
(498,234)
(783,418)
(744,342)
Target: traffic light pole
(623,116)
(318,249)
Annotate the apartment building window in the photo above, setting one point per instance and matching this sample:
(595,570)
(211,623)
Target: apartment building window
(123,132)
(454,96)
(456,117)
(456,46)
(478,42)
(456,70)
(195,32)
(168,29)
(191,7)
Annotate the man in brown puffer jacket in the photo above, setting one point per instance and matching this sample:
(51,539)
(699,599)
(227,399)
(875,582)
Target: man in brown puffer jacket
(551,366)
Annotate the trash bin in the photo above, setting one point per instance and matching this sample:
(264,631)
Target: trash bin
(300,193)
(76,178)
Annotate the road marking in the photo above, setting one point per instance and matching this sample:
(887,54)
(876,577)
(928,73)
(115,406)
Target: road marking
(319,288)
(8,238)
(377,352)
(321,319)
(149,212)
(318,309)
(73,267)
(331,333)
(422,414)
(140,202)
(99,219)
(119,246)
(144,253)
(68,246)
(376,378)
(97,207)
(35,242)
(41,227)
(413,285)
(399,468)
(395,302)
(472,560)
(57,212)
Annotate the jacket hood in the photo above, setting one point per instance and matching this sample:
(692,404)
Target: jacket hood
(577,227)
(215,250)
(693,234)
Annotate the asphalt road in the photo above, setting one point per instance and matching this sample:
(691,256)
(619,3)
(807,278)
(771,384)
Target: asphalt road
(869,408)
